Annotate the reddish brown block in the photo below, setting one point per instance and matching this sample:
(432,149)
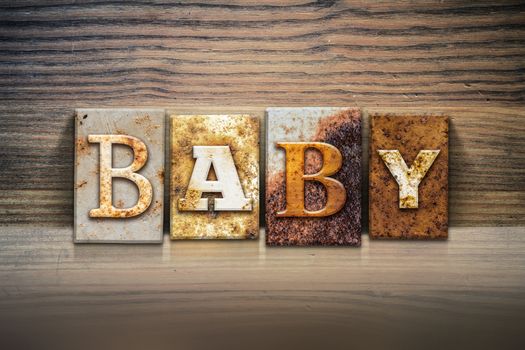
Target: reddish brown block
(398,215)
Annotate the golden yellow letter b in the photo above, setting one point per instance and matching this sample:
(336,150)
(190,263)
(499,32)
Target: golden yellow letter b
(295,178)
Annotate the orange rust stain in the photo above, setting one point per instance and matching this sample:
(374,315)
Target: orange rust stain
(143,120)
(157,206)
(160,175)
(81,184)
(190,201)
(82,146)
(147,124)
(408,202)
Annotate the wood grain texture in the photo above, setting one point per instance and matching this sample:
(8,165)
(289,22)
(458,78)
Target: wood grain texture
(466,59)
(486,170)
(337,52)
(467,292)
(59,55)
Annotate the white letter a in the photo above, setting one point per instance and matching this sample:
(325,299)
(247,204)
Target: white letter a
(228,183)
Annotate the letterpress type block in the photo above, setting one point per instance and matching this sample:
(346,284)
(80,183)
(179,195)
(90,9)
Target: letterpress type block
(214,177)
(313,176)
(119,175)
(408,177)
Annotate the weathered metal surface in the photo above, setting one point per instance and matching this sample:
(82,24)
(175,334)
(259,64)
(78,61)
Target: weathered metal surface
(214,190)
(305,200)
(408,177)
(119,175)
(226,182)
(295,178)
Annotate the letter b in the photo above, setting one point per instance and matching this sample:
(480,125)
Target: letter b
(295,178)
(107,173)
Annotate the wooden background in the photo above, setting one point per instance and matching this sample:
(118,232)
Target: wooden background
(463,58)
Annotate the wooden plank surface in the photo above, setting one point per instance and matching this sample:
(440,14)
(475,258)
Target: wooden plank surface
(467,292)
(240,52)
(486,176)
(465,59)
(56,56)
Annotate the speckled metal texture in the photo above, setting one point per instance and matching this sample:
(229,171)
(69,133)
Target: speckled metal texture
(139,144)
(339,127)
(409,134)
(240,133)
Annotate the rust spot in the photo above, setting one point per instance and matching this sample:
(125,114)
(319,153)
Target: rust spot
(189,202)
(147,124)
(82,146)
(157,206)
(160,175)
(408,202)
(241,134)
(143,120)
(81,184)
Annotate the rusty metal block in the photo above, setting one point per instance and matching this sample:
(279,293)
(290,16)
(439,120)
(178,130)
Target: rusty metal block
(313,176)
(119,175)
(214,190)
(408,177)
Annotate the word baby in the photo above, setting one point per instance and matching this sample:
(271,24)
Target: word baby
(313,176)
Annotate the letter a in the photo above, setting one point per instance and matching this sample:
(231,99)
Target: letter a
(227,183)
(408,179)
(107,173)
(295,178)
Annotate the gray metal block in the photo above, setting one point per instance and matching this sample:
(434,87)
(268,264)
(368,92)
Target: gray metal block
(112,204)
